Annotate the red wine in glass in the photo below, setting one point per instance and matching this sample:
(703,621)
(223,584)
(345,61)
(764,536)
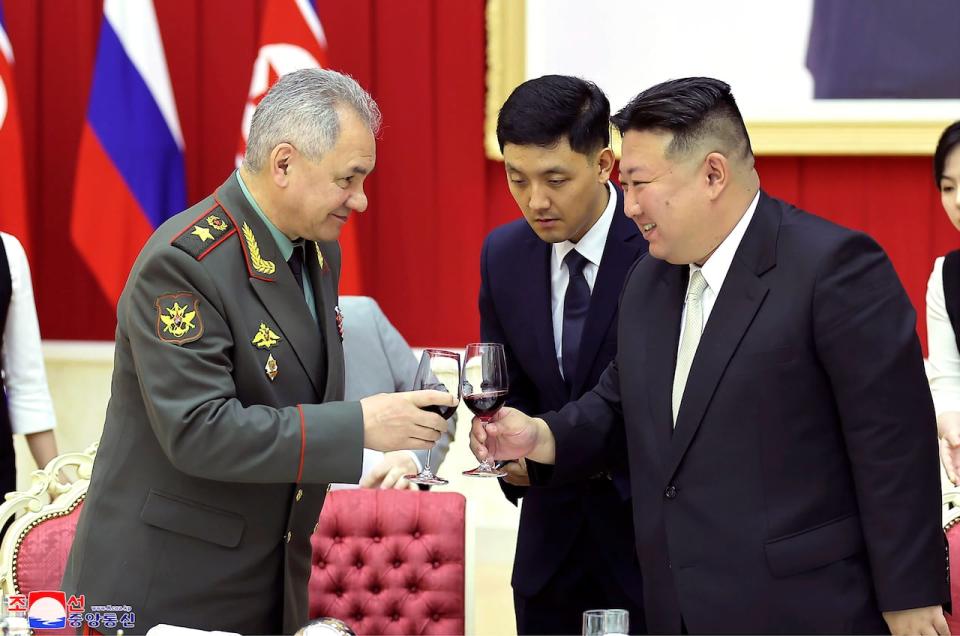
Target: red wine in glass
(484,390)
(485,404)
(439,370)
(446,412)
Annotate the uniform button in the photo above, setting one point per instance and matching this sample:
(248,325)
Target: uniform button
(299,494)
(289,536)
(670,492)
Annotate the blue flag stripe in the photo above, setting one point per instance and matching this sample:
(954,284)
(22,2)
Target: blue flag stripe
(133,132)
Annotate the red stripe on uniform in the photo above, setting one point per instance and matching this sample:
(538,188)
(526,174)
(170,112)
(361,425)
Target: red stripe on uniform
(194,222)
(303,441)
(217,242)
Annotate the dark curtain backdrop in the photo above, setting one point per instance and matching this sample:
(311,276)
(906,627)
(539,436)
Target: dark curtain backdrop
(433,195)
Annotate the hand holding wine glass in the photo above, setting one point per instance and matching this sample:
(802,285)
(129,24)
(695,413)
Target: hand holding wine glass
(484,391)
(400,421)
(439,370)
(507,435)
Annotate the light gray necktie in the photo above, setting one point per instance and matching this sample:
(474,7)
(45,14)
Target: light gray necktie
(692,328)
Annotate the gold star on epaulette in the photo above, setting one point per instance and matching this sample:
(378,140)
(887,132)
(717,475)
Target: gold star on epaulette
(202,233)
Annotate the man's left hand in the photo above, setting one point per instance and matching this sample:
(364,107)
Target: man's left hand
(927,621)
(389,473)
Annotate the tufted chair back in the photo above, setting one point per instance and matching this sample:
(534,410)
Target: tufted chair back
(390,561)
(42,521)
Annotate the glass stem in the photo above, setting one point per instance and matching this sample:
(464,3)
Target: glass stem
(426,466)
(488,462)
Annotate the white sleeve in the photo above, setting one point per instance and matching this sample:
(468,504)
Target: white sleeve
(24,377)
(943,363)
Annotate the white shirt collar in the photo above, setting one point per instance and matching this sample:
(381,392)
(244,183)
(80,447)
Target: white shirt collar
(716,268)
(592,243)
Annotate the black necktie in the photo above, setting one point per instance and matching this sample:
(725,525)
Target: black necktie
(296,264)
(576,303)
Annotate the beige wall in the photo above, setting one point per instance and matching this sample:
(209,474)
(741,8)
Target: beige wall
(79,378)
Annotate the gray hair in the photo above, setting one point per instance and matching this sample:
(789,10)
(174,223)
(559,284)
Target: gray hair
(300,109)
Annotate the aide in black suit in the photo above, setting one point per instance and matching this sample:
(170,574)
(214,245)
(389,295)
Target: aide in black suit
(575,547)
(799,489)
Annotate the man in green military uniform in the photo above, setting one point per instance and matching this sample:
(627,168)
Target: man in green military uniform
(225,422)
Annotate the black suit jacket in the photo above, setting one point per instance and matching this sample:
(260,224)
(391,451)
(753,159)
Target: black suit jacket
(515,309)
(800,490)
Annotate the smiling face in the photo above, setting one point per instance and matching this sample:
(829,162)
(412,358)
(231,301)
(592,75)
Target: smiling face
(321,195)
(669,200)
(560,192)
(950,187)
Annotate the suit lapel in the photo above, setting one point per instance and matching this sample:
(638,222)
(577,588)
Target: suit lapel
(325,297)
(740,298)
(273,282)
(619,253)
(541,314)
(663,310)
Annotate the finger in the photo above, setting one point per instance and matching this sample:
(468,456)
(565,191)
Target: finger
(501,413)
(429,420)
(478,431)
(952,435)
(946,457)
(940,623)
(429,397)
(371,479)
(480,451)
(391,478)
(950,463)
(475,446)
(426,434)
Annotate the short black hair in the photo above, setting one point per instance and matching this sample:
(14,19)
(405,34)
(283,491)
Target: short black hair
(542,111)
(692,108)
(948,141)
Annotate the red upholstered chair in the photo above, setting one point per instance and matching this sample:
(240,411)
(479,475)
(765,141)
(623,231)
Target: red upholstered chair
(43,519)
(391,561)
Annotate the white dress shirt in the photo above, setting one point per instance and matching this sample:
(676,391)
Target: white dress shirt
(716,268)
(591,248)
(943,359)
(24,377)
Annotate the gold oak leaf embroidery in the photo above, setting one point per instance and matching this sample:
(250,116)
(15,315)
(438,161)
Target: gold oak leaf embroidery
(259,263)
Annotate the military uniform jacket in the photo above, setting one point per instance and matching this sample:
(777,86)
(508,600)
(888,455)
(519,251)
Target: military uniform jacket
(210,473)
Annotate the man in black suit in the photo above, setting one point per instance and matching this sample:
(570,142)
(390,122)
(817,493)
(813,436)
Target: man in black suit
(549,290)
(768,390)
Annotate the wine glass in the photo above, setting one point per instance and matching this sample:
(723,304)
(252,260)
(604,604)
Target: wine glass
(439,370)
(484,390)
(606,622)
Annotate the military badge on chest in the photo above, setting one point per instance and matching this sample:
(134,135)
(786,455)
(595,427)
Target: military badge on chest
(267,338)
(178,318)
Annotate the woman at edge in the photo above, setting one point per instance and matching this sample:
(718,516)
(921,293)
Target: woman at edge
(943,309)
(25,404)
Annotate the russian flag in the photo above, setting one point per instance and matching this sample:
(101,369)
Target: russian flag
(14,216)
(292,38)
(130,169)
